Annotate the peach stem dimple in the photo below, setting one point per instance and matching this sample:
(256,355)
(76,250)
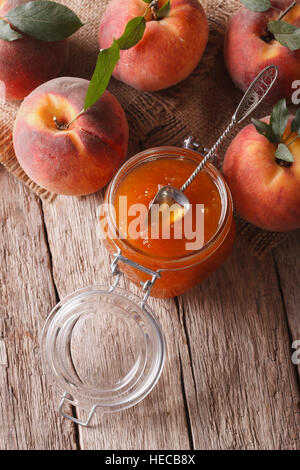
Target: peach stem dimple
(59,125)
(154,9)
(269,37)
(64,127)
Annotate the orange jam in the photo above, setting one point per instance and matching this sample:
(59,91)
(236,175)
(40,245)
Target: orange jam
(141,185)
(181,263)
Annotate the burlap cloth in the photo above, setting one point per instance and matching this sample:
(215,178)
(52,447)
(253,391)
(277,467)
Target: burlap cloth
(202,105)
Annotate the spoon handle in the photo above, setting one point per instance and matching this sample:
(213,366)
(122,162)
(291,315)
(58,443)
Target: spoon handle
(253,96)
(208,155)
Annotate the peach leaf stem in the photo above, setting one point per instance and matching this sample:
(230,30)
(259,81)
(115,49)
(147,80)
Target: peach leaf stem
(292,141)
(285,12)
(77,116)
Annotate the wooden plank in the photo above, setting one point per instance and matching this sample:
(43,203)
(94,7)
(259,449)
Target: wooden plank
(79,259)
(240,391)
(287,261)
(228,355)
(28,419)
(244,392)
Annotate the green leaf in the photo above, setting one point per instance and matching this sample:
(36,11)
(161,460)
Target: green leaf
(279,119)
(295,125)
(44,20)
(164,10)
(133,33)
(283,153)
(257,5)
(107,59)
(7,33)
(264,129)
(287,34)
(147,1)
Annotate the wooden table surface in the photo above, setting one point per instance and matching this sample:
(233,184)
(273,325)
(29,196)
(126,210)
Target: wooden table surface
(228,382)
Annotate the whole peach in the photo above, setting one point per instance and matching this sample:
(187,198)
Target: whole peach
(77,160)
(248,49)
(265,192)
(170,48)
(27,62)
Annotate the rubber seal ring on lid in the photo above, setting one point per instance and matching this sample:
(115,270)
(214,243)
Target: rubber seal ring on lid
(118,335)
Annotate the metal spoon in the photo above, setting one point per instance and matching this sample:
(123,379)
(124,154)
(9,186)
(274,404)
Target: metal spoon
(257,91)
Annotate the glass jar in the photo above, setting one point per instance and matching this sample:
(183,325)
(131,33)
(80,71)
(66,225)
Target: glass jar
(173,276)
(102,346)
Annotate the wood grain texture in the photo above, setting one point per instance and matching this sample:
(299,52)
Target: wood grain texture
(228,380)
(28,418)
(287,263)
(244,392)
(79,259)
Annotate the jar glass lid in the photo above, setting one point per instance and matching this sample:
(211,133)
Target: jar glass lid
(103,348)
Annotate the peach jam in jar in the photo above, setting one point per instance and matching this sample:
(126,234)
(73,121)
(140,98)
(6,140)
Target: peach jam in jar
(180,257)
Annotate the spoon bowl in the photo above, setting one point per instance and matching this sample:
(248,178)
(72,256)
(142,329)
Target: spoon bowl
(168,201)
